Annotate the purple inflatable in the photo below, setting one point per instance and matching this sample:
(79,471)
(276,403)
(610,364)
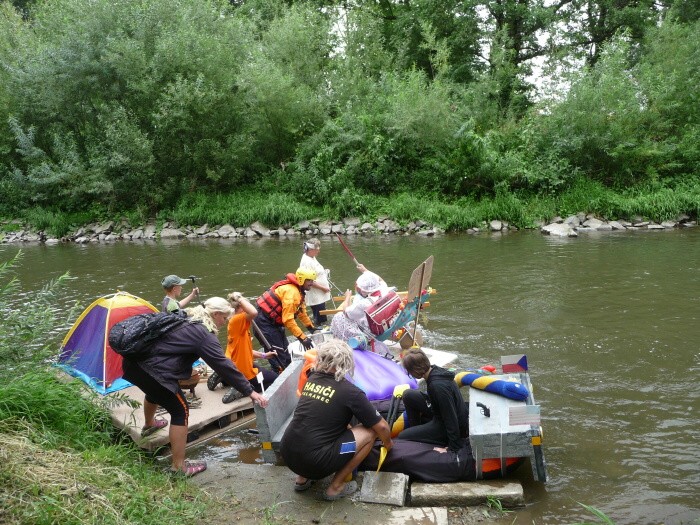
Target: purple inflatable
(377,376)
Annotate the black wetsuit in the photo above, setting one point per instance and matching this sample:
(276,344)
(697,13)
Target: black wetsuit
(440,418)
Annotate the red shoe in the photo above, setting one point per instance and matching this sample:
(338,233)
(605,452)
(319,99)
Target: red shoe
(157,425)
(191,468)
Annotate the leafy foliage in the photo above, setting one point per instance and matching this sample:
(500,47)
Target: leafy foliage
(144,108)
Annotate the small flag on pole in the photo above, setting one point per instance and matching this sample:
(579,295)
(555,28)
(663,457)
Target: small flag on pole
(259,377)
(514,363)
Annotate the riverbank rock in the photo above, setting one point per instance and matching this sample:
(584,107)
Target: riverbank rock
(559,229)
(111,231)
(171,233)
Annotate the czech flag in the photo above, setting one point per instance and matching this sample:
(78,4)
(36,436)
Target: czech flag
(514,363)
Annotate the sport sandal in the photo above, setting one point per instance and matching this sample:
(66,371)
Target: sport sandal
(231,396)
(191,468)
(158,423)
(301,487)
(349,488)
(213,381)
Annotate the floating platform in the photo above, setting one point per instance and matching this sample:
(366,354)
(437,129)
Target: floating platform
(209,416)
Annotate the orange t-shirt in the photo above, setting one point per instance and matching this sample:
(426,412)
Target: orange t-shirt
(239,347)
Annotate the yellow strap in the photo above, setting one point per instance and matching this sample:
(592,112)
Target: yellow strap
(382,456)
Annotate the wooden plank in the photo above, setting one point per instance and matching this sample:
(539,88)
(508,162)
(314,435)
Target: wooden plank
(208,416)
(403,294)
(420,278)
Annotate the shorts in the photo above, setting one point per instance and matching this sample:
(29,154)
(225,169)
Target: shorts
(174,403)
(322,462)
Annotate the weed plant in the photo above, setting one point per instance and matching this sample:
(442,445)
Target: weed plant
(652,201)
(520,209)
(242,209)
(62,460)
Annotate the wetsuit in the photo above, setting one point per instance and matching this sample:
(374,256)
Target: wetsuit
(440,418)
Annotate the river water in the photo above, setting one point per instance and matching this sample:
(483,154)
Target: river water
(610,324)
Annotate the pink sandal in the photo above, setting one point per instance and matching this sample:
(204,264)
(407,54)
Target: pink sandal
(192,468)
(157,425)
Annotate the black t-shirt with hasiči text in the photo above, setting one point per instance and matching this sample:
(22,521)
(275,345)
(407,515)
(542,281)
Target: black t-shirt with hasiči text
(325,409)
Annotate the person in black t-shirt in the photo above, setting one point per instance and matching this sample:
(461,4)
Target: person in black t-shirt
(318,441)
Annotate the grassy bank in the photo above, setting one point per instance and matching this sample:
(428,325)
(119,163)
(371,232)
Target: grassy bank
(656,202)
(62,459)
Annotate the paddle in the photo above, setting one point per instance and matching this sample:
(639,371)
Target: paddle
(347,249)
(263,340)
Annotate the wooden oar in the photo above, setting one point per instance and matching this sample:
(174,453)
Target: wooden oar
(431,291)
(345,246)
(336,310)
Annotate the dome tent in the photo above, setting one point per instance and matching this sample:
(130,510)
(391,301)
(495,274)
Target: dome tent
(85,351)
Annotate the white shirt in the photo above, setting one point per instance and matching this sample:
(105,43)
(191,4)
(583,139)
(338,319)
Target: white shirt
(315,296)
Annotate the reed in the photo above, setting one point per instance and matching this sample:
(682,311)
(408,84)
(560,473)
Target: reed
(57,223)
(62,460)
(656,201)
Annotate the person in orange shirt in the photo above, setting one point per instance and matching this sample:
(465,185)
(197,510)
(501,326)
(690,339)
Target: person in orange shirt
(239,349)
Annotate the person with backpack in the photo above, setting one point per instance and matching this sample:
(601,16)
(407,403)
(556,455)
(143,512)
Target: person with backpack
(279,308)
(157,370)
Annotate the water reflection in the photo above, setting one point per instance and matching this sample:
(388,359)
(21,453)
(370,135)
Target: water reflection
(610,324)
(239,444)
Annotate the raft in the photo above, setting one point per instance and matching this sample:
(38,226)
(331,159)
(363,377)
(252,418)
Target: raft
(421,462)
(375,375)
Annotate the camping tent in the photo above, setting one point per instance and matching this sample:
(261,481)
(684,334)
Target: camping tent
(85,351)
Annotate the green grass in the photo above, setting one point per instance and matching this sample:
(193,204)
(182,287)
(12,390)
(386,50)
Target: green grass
(242,209)
(62,459)
(605,520)
(652,201)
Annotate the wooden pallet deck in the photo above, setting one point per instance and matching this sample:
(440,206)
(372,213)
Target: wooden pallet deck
(207,418)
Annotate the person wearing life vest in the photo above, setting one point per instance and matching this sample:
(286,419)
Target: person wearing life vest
(279,308)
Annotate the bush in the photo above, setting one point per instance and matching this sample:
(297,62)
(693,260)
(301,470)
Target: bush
(60,462)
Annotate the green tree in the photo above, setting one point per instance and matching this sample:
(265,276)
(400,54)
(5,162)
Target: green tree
(591,24)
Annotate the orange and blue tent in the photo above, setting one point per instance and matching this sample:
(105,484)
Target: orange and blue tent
(85,351)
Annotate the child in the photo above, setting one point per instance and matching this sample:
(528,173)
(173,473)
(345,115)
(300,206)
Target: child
(239,349)
(173,288)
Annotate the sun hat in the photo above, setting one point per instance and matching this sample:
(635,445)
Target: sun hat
(369,282)
(172,280)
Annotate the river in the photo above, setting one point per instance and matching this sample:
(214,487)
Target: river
(610,323)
